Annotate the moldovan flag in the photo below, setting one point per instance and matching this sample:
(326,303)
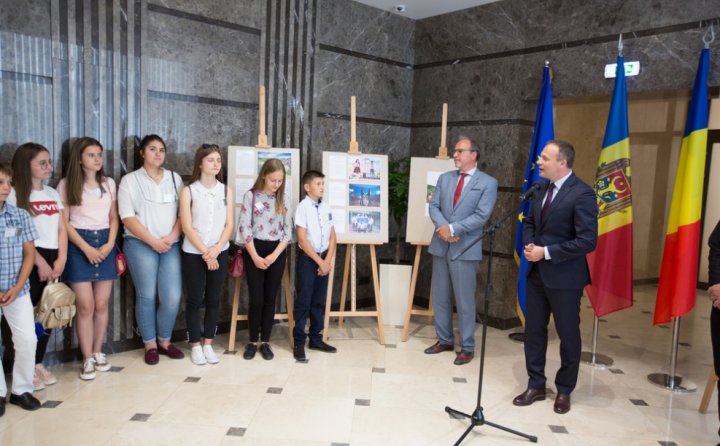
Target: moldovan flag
(611,264)
(678,273)
(544,132)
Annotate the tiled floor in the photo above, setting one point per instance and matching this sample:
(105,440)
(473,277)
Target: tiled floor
(368,394)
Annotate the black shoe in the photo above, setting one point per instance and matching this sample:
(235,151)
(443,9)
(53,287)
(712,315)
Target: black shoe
(2,406)
(299,353)
(265,351)
(26,401)
(250,351)
(323,347)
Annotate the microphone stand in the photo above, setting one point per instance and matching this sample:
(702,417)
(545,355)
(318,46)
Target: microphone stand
(478,418)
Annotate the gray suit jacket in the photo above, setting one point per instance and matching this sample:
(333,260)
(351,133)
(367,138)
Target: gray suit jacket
(467,218)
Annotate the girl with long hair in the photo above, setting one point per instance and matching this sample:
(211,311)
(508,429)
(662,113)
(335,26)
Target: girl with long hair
(265,229)
(207,217)
(90,215)
(33,167)
(148,201)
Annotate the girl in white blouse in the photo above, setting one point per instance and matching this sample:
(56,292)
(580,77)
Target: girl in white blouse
(207,216)
(265,228)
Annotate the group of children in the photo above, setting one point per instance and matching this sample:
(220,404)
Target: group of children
(171,232)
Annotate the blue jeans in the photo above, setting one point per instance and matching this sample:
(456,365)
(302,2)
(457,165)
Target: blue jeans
(158,288)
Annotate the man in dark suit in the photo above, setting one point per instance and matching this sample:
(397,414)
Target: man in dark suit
(560,230)
(714,291)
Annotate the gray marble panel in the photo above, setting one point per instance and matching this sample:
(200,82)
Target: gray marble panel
(242,12)
(358,27)
(563,20)
(28,18)
(26,109)
(383,91)
(193,58)
(185,126)
(517,24)
(504,281)
(334,135)
(25,53)
(668,62)
(473,91)
(485,29)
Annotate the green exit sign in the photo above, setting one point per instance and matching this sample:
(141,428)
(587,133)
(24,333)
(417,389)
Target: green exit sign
(631,69)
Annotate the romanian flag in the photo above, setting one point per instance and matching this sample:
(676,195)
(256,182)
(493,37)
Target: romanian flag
(611,264)
(544,132)
(678,273)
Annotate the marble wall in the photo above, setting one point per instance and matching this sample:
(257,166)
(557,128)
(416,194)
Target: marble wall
(190,71)
(486,62)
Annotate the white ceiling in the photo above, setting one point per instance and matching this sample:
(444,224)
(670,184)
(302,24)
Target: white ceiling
(420,9)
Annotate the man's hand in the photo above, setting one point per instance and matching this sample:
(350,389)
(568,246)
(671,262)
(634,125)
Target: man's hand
(534,253)
(444,233)
(714,292)
(324,268)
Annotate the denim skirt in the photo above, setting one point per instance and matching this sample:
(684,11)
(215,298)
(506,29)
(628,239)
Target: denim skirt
(79,269)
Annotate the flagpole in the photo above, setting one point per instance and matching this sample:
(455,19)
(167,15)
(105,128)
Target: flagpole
(672,381)
(592,357)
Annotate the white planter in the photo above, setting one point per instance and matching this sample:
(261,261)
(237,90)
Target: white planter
(394,289)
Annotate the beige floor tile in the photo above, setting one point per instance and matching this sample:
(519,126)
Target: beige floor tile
(135,433)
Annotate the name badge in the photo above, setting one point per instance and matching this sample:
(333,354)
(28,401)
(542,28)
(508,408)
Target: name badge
(169,198)
(12,232)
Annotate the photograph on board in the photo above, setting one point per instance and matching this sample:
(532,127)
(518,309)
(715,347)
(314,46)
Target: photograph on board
(363,222)
(366,195)
(364,168)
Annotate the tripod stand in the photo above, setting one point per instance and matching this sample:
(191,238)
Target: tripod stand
(478,418)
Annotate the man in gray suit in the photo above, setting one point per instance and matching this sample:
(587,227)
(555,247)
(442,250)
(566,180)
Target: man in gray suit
(461,204)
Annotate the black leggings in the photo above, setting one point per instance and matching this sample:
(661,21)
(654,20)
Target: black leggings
(263,286)
(202,286)
(36,290)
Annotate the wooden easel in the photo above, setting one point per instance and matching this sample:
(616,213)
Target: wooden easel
(235,317)
(410,311)
(350,269)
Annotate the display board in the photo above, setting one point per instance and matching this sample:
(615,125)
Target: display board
(424,173)
(356,188)
(244,163)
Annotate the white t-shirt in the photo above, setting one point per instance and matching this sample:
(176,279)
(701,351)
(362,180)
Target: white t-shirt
(208,208)
(47,206)
(316,218)
(154,205)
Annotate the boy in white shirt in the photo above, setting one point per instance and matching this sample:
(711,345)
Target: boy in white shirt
(317,242)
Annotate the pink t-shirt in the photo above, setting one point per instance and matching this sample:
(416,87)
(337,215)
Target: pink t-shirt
(94,212)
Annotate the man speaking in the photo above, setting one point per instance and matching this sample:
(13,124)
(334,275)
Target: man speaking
(559,231)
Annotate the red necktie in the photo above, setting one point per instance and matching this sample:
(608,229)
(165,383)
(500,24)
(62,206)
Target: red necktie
(459,188)
(548,200)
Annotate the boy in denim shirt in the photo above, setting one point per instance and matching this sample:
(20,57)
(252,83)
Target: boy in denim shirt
(17,251)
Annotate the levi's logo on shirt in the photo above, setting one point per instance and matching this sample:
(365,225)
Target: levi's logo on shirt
(45,207)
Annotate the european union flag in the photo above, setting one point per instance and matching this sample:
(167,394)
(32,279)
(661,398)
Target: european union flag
(544,132)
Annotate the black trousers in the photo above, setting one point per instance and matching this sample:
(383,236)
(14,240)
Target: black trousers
(202,288)
(564,305)
(715,338)
(36,290)
(263,286)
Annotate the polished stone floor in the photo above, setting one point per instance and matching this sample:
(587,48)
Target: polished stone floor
(369,394)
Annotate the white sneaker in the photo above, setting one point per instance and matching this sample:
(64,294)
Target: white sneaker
(101,363)
(88,370)
(196,356)
(45,375)
(210,354)
(38,383)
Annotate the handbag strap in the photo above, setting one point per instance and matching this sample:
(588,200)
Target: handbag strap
(118,248)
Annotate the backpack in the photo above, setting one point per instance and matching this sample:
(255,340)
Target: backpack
(57,306)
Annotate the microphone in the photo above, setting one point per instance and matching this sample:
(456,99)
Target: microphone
(530,193)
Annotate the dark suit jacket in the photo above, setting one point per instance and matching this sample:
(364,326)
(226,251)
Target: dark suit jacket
(714,256)
(569,230)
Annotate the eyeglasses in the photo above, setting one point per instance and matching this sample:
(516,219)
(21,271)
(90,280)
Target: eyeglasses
(44,164)
(460,151)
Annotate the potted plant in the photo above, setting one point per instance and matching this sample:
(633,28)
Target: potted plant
(399,188)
